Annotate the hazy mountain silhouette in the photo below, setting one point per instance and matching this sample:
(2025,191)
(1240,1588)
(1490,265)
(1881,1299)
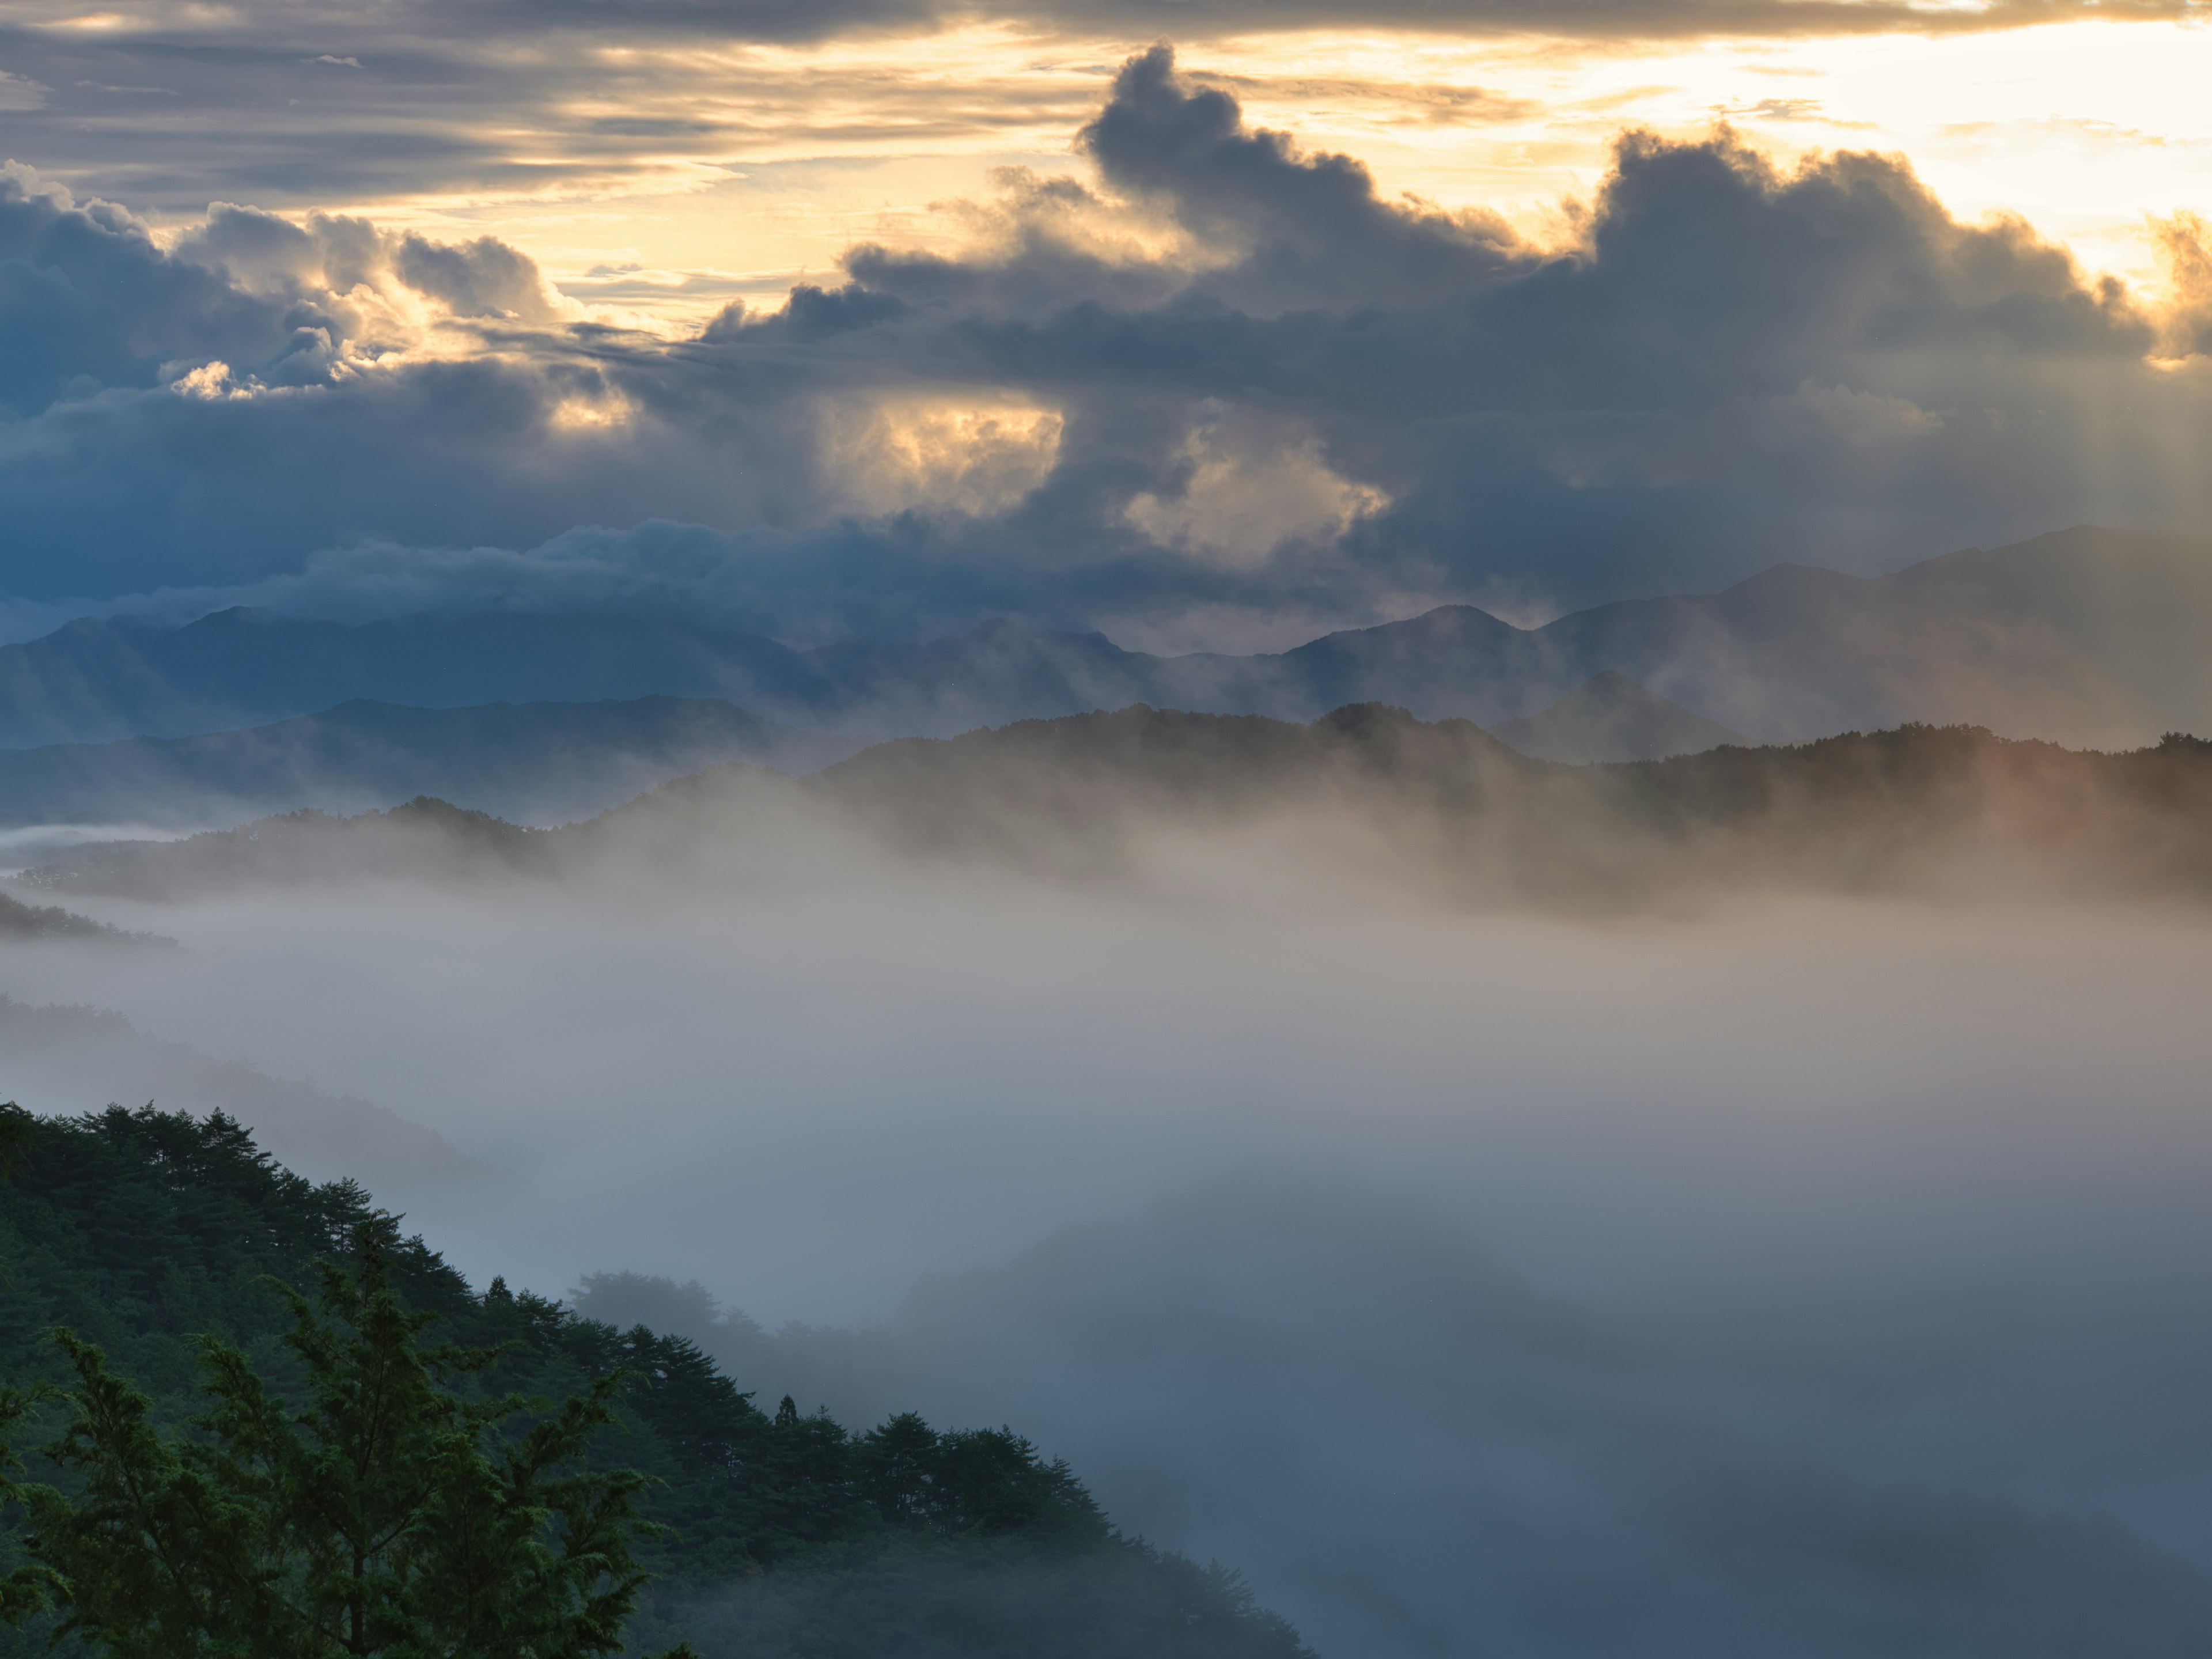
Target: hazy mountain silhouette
(48,924)
(1609,717)
(1367,794)
(65,1061)
(2085,636)
(545,763)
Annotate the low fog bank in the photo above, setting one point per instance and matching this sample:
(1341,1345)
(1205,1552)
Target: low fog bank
(1367,797)
(1414,1452)
(1796,1273)
(67,1061)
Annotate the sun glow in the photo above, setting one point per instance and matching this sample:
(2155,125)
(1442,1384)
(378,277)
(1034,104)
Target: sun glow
(979,453)
(767,163)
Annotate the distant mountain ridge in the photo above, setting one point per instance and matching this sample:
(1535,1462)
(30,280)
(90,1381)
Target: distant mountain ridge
(1443,810)
(2085,636)
(545,763)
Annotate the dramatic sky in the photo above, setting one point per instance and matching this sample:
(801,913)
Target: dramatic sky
(1206,324)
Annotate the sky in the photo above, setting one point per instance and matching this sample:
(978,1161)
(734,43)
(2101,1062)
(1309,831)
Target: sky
(1208,326)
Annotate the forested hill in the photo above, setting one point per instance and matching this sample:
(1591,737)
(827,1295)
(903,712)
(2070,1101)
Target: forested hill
(791,1535)
(27,924)
(1369,792)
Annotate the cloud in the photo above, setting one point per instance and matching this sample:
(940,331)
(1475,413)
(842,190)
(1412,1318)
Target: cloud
(482,278)
(88,303)
(1303,231)
(1219,377)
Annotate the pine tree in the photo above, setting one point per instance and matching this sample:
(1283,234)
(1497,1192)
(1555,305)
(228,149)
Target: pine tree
(397,1511)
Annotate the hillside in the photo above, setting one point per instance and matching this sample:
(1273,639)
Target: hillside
(1450,810)
(544,763)
(2085,636)
(421,839)
(1368,794)
(46,924)
(1609,717)
(791,1535)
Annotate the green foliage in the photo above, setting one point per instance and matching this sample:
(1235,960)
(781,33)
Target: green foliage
(141,1230)
(987,1481)
(297,1477)
(392,1515)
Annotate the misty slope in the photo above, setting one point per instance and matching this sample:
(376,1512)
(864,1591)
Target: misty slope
(94,682)
(1611,717)
(63,1060)
(1371,793)
(789,1536)
(2084,636)
(421,839)
(1527,1478)
(1368,795)
(41,924)
(541,762)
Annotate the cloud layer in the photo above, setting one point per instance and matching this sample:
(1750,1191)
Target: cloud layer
(1217,390)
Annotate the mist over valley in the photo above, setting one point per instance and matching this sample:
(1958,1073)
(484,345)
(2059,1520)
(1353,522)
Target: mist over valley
(1464,1190)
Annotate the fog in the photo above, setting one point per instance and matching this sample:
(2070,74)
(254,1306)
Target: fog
(1818,1272)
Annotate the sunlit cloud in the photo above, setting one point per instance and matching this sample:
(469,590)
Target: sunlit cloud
(701,152)
(975,454)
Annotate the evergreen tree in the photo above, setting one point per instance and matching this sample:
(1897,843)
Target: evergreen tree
(397,1511)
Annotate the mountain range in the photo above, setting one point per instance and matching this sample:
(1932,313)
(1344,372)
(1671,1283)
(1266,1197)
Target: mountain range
(2085,636)
(529,763)
(1367,794)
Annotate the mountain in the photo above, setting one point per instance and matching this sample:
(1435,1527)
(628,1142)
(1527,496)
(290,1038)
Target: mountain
(2085,636)
(96,681)
(544,763)
(43,924)
(423,839)
(93,681)
(1369,793)
(1609,717)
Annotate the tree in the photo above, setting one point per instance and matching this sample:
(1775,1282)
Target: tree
(394,1512)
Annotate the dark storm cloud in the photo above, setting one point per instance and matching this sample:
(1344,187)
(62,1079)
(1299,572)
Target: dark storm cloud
(88,302)
(1305,231)
(1227,376)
